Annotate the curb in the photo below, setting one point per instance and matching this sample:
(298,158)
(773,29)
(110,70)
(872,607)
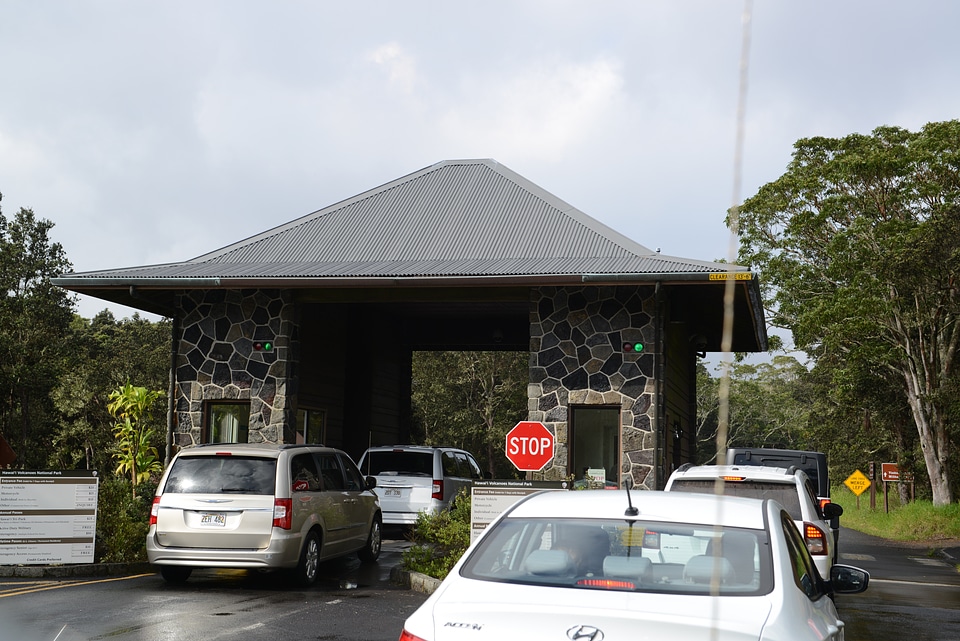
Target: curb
(414,580)
(65,571)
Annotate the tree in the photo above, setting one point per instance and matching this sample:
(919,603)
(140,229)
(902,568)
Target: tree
(104,354)
(766,409)
(34,316)
(858,246)
(471,400)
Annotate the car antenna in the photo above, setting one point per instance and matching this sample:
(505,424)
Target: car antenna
(630,511)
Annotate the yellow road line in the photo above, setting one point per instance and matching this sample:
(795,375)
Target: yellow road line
(57,585)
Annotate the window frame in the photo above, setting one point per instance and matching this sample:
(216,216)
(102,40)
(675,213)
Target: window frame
(242,427)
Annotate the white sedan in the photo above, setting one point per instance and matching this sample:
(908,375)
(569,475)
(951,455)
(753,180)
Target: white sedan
(605,565)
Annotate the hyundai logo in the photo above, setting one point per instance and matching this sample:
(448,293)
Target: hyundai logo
(584,633)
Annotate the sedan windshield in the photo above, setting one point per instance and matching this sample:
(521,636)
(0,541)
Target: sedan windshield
(624,555)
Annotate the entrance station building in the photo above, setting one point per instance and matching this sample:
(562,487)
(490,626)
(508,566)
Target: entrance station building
(305,332)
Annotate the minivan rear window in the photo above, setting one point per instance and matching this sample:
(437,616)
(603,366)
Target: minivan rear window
(783,493)
(398,463)
(222,475)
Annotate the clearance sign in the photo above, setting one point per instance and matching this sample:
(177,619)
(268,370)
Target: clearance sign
(732,276)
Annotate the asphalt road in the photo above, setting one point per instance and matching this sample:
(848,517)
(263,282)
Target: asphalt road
(914,594)
(914,590)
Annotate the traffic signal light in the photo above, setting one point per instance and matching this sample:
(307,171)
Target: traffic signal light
(633,347)
(263,346)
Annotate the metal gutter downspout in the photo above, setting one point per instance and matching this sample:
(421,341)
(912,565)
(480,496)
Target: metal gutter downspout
(658,389)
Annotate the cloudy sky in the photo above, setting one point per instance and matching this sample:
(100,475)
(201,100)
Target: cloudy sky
(151,132)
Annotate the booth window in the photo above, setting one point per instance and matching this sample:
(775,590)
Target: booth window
(311,426)
(228,422)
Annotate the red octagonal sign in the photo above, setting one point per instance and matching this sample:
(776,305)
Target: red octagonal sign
(529,446)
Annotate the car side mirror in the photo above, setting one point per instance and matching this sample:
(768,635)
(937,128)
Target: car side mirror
(370,482)
(846,579)
(832,510)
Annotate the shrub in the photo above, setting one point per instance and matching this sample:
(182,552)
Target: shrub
(122,521)
(439,540)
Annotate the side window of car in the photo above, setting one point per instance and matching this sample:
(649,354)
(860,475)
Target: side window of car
(355,481)
(812,495)
(449,463)
(804,572)
(475,472)
(303,474)
(330,472)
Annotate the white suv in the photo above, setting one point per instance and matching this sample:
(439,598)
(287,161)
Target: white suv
(417,478)
(788,486)
(261,506)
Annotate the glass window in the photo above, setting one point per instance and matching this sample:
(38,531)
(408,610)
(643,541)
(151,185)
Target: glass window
(595,443)
(311,426)
(222,474)
(805,573)
(473,470)
(450,466)
(228,422)
(643,556)
(398,463)
(303,472)
(783,493)
(331,473)
(466,466)
(355,482)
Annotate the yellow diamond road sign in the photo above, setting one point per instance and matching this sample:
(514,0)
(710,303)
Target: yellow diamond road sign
(857,482)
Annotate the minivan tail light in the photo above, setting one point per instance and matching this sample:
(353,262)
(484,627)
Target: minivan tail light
(283,513)
(437,489)
(815,538)
(154,509)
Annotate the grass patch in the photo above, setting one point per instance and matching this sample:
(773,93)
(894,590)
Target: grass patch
(916,521)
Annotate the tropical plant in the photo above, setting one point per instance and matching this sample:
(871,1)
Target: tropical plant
(129,405)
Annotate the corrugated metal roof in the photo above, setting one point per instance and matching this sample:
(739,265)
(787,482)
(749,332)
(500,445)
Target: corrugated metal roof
(454,219)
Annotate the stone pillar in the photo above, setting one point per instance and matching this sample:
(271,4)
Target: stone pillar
(577,358)
(216,360)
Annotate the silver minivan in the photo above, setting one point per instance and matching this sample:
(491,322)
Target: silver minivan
(417,478)
(261,506)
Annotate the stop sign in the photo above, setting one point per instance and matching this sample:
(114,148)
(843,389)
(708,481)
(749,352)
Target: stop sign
(529,446)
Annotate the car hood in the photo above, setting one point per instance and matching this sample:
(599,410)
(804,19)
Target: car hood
(479,610)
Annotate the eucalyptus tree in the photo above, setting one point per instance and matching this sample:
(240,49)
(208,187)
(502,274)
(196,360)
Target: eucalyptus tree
(858,248)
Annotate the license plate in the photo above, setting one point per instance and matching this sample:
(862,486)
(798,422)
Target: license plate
(213,519)
(391,492)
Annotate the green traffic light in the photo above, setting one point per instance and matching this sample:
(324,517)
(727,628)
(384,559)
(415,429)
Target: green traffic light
(633,347)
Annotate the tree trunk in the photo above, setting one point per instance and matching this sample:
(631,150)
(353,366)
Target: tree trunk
(933,440)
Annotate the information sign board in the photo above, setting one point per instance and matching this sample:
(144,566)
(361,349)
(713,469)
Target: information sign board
(489,498)
(47,516)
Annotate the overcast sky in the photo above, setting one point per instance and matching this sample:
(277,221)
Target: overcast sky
(151,132)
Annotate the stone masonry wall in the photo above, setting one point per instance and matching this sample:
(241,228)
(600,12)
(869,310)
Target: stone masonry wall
(216,359)
(577,358)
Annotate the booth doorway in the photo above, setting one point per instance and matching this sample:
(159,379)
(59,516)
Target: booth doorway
(594,441)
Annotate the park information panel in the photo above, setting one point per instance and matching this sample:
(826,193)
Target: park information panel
(47,517)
